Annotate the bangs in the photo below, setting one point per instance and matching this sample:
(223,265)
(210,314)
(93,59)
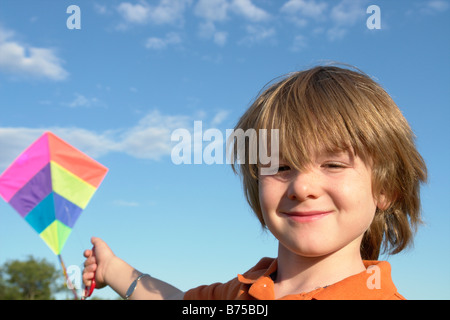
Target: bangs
(313,113)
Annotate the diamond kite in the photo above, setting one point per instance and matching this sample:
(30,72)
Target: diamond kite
(49,185)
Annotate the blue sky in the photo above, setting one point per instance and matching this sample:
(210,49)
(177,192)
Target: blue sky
(137,70)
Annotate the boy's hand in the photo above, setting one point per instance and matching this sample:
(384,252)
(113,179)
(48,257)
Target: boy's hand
(97,265)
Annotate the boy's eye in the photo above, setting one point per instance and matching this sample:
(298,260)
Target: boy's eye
(283,168)
(334,165)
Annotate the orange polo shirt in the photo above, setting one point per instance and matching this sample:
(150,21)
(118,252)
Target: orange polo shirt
(373,284)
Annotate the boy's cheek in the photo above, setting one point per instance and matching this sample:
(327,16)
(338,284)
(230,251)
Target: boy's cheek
(268,195)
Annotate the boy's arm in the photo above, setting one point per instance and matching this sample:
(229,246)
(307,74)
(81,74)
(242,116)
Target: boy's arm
(120,275)
(108,269)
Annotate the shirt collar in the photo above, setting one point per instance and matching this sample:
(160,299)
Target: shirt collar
(258,277)
(264,268)
(373,284)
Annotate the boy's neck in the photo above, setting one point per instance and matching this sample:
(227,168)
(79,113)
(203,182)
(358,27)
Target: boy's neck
(297,274)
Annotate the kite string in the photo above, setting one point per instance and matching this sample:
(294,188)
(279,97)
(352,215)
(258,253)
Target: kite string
(68,282)
(80,243)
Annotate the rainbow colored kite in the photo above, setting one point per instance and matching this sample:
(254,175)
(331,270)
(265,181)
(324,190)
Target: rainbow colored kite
(49,185)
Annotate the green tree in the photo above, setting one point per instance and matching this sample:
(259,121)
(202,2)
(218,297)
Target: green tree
(31,279)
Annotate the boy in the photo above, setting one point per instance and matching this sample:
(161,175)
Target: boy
(347,186)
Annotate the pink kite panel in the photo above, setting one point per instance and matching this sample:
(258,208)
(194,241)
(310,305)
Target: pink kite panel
(30,162)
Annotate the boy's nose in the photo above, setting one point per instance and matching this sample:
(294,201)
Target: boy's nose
(303,186)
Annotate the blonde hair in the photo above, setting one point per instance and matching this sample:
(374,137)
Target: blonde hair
(332,108)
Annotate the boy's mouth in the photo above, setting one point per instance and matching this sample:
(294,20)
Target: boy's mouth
(306,216)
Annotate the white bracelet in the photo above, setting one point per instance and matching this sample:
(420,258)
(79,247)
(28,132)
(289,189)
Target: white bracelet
(133,285)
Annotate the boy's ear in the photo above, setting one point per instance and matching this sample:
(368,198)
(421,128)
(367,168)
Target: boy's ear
(382,202)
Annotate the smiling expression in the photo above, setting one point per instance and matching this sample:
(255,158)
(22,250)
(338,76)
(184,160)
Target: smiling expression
(322,209)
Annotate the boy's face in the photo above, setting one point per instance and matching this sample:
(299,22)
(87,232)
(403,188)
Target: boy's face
(319,211)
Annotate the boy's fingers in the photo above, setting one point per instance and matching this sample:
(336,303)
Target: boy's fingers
(95,240)
(90,266)
(87,278)
(87,253)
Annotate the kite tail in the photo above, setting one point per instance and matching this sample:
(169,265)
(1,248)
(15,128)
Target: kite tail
(68,282)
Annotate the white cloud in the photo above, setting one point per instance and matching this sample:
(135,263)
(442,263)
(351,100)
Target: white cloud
(219,117)
(217,10)
(155,43)
(124,203)
(333,19)
(212,10)
(169,11)
(13,141)
(434,6)
(82,101)
(348,12)
(25,60)
(220,38)
(258,34)
(165,12)
(92,143)
(100,9)
(302,9)
(208,30)
(149,139)
(249,10)
(134,13)
(345,15)
(336,33)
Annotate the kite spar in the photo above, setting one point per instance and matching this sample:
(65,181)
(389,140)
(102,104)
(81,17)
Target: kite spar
(49,185)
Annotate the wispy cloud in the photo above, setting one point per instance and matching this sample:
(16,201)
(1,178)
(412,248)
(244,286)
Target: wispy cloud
(25,60)
(434,6)
(150,138)
(165,12)
(300,11)
(438,5)
(345,15)
(100,9)
(208,30)
(13,140)
(334,19)
(124,203)
(212,10)
(348,12)
(156,43)
(219,117)
(134,13)
(218,11)
(83,101)
(249,10)
(258,34)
